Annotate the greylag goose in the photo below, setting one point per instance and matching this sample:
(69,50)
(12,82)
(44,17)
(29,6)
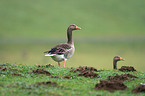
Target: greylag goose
(115,60)
(63,51)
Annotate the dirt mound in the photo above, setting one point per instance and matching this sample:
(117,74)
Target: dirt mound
(63,77)
(110,85)
(66,77)
(121,77)
(3,68)
(130,75)
(138,89)
(47,83)
(41,71)
(53,76)
(87,73)
(83,68)
(127,68)
(11,69)
(16,74)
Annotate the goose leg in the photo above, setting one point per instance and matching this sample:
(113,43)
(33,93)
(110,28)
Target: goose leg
(64,63)
(59,64)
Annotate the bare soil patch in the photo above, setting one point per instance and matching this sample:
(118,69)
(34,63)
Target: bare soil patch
(83,68)
(87,73)
(138,89)
(63,77)
(127,68)
(53,76)
(122,77)
(110,85)
(41,71)
(66,77)
(16,74)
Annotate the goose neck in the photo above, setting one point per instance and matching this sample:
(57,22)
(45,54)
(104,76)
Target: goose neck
(69,36)
(114,64)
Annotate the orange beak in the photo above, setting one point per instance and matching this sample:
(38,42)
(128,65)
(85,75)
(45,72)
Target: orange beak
(78,27)
(122,58)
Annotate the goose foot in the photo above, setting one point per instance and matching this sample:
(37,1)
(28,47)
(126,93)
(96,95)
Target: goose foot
(64,63)
(58,64)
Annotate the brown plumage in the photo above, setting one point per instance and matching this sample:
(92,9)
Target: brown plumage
(64,51)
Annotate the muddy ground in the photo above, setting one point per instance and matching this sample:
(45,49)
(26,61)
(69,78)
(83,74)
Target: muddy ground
(63,77)
(83,68)
(114,83)
(16,74)
(5,68)
(127,68)
(139,89)
(110,85)
(122,77)
(85,71)
(41,71)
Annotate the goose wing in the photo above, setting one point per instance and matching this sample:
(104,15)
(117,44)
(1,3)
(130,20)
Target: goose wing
(59,49)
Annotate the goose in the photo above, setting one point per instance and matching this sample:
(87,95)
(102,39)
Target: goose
(115,60)
(63,51)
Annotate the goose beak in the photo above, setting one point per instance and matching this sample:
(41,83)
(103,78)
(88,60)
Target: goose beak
(122,59)
(78,27)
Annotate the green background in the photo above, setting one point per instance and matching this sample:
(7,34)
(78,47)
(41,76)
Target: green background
(109,28)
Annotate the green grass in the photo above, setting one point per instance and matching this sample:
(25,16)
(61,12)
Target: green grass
(44,19)
(28,28)
(109,28)
(82,86)
(96,53)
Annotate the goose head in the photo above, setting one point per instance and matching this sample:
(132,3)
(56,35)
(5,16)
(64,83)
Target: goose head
(118,58)
(115,60)
(74,27)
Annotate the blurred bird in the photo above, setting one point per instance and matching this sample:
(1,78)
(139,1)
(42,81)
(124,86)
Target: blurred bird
(115,60)
(63,51)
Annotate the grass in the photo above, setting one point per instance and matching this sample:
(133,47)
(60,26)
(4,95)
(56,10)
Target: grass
(30,27)
(44,19)
(82,86)
(96,53)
